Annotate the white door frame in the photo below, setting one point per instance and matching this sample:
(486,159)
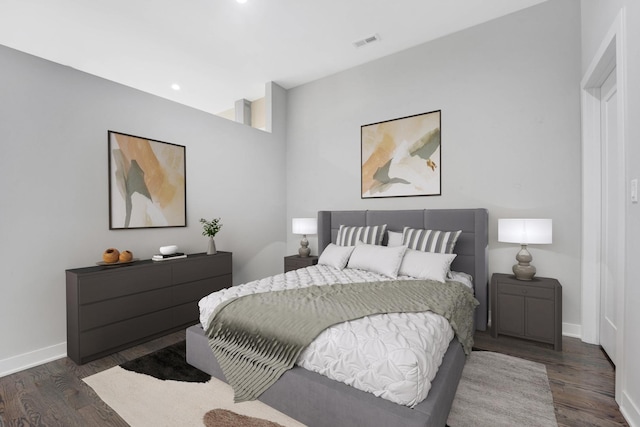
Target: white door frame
(610,54)
(613,218)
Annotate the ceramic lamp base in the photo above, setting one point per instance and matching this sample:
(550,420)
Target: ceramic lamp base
(523,270)
(304,250)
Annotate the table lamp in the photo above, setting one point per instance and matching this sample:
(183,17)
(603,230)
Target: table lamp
(304,226)
(525,232)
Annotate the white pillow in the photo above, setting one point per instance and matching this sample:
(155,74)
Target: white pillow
(377,259)
(459,276)
(394,239)
(426,265)
(335,256)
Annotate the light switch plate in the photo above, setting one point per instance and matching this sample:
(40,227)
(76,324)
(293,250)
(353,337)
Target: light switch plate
(634,190)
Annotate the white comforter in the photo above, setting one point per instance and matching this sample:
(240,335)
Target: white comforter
(394,356)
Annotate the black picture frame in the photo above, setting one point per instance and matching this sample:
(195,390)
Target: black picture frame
(147,183)
(402,157)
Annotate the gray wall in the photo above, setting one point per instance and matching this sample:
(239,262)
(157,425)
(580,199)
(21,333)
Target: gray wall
(509,94)
(597,19)
(54,200)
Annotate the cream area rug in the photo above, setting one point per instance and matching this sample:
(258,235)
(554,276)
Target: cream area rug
(495,390)
(142,400)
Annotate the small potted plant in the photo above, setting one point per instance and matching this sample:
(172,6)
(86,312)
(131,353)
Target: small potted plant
(210,229)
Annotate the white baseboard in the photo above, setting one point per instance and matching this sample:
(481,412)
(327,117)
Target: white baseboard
(33,358)
(572,330)
(630,411)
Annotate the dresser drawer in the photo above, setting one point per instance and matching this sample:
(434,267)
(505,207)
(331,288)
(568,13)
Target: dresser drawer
(117,335)
(194,291)
(201,267)
(186,314)
(118,309)
(529,291)
(122,281)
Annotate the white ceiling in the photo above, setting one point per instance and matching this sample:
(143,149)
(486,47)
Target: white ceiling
(220,51)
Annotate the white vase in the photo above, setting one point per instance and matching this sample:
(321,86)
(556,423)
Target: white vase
(211,250)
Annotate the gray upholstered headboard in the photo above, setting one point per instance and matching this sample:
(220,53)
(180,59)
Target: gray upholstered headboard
(471,248)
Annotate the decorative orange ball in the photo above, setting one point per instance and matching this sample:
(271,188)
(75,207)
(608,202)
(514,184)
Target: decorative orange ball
(111,255)
(126,256)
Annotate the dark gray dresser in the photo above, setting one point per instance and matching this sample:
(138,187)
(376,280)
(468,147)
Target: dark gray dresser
(112,308)
(527,309)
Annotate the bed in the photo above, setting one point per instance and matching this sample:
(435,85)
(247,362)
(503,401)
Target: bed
(316,400)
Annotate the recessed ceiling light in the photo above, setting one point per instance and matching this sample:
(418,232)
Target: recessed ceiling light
(175,86)
(241,1)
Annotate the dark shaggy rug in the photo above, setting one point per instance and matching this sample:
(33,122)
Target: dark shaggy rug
(168,363)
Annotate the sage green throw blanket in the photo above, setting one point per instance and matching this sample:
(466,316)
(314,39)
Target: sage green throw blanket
(257,337)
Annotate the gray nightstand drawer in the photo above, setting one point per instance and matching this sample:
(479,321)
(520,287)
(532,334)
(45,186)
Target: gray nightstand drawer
(530,291)
(294,262)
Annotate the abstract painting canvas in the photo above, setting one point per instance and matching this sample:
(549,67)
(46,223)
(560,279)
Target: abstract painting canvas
(147,183)
(401,157)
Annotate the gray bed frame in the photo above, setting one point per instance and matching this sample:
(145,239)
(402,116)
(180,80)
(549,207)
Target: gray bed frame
(317,401)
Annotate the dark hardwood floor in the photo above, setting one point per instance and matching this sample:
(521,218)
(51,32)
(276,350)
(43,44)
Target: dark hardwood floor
(54,394)
(581,378)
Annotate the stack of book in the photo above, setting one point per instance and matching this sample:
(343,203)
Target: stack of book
(159,257)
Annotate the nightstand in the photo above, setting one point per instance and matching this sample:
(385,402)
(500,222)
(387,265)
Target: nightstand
(527,309)
(294,262)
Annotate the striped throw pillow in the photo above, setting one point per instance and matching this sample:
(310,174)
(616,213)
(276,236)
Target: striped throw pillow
(371,234)
(430,240)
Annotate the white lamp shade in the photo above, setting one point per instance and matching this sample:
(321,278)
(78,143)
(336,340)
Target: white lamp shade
(304,226)
(525,231)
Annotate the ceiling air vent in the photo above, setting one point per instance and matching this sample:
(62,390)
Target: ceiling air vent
(367,40)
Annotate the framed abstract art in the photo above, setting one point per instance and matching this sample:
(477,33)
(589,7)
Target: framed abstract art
(147,183)
(401,157)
